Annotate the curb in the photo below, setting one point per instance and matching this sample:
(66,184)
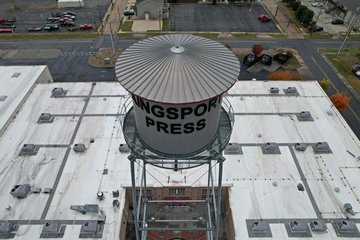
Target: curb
(349,87)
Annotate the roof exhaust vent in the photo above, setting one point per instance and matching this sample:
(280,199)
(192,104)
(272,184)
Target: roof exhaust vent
(233,148)
(79,147)
(124,148)
(29,149)
(291,91)
(270,148)
(52,229)
(91,229)
(274,90)
(346,228)
(304,116)
(258,228)
(58,92)
(2,98)
(318,226)
(298,228)
(321,147)
(46,118)
(349,208)
(20,191)
(300,147)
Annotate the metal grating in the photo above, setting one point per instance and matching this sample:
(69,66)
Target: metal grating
(177,68)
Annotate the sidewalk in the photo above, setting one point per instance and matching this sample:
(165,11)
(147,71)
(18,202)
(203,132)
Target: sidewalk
(290,29)
(116,13)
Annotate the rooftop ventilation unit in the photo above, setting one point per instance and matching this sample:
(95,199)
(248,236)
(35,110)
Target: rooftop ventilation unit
(46,118)
(233,148)
(2,98)
(29,149)
(85,208)
(7,230)
(304,116)
(346,228)
(349,209)
(321,147)
(124,148)
(300,147)
(47,190)
(291,91)
(20,191)
(298,228)
(258,228)
(79,147)
(16,75)
(36,190)
(270,148)
(52,229)
(318,226)
(274,90)
(58,92)
(91,229)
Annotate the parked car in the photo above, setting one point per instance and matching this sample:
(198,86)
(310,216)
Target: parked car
(68,24)
(34,29)
(129,13)
(264,18)
(53,19)
(51,27)
(317,29)
(6,30)
(317,4)
(61,20)
(2,20)
(86,26)
(337,21)
(69,16)
(8,24)
(356,69)
(69,13)
(71,29)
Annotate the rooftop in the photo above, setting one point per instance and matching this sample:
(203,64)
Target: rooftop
(263,179)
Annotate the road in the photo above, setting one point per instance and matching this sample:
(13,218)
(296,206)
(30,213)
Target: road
(72,64)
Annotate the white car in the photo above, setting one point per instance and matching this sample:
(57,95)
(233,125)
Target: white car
(316,4)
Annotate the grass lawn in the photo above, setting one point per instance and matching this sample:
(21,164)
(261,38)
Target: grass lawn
(244,35)
(343,63)
(292,63)
(127,26)
(206,35)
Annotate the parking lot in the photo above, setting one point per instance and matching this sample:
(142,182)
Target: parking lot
(34,13)
(218,18)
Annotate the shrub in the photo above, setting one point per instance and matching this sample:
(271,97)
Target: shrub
(285,75)
(295,5)
(257,49)
(290,53)
(299,12)
(341,101)
(325,84)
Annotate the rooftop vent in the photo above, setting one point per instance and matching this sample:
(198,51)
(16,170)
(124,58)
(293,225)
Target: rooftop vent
(321,147)
(58,92)
(318,226)
(2,98)
(291,91)
(304,116)
(52,229)
(345,228)
(15,75)
(300,187)
(47,190)
(91,229)
(300,146)
(46,118)
(298,228)
(29,149)
(36,190)
(349,208)
(20,191)
(7,230)
(124,148)
(233,148)
(79,147)
(274,90)
(85,208)
(270,148)
(258,228)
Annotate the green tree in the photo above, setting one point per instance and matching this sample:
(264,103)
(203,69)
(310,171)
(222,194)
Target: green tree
(300,11)
(307,17)
(325,84)
(295,5)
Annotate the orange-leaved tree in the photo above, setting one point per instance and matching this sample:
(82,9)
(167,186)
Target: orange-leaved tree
(340,100)
(285,75)
(257,49)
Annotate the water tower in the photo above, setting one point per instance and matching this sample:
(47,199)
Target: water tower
(177,117)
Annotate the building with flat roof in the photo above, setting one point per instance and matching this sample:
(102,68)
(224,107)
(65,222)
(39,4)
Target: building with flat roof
(291,170)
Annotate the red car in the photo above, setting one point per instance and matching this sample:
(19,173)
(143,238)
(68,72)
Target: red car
(6,30)
(86,26)
(2,19)
(264,18)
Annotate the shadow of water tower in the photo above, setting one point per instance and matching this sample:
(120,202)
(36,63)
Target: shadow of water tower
(177,116)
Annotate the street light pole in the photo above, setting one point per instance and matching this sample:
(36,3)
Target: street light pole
(349,30)
(112,39)
(317,18)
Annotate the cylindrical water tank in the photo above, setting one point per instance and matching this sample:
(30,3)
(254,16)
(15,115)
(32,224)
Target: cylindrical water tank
(177,82)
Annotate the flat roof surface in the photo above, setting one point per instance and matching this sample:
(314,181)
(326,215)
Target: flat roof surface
(262,185)
(177,69)
(15,84)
